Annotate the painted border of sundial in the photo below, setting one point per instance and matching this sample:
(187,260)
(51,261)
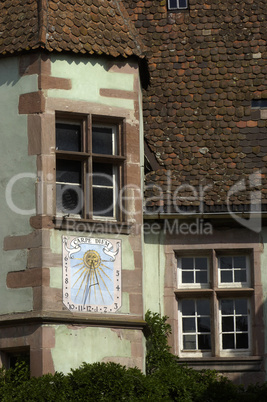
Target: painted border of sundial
(91,274)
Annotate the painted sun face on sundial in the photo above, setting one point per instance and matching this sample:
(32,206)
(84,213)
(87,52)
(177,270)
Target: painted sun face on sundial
(91,274)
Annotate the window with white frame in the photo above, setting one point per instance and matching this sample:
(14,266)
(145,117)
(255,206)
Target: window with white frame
(214,308)
(193,271)
(89,167)
(177,4)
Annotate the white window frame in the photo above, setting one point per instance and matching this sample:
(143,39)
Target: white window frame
(178,7)
(215,291)
(235,351)
(191,352)
(114,171)
(233,284)
(182,285)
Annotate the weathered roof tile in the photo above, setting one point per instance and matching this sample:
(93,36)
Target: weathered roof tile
(79,20)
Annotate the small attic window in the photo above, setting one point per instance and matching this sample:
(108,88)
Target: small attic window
(259,103)
(177,4)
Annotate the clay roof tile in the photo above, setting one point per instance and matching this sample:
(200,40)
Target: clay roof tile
(74,21)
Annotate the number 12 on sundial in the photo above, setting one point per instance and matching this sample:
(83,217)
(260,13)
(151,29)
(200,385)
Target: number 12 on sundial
(91,274)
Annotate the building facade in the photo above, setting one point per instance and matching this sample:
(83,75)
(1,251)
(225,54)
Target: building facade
(133,178)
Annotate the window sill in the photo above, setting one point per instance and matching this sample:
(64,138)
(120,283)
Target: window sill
(92,226)
(225,364)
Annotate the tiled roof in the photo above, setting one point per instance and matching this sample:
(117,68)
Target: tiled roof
(80,26)
(206,65)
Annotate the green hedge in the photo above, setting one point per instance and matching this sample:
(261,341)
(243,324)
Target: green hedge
(165,380)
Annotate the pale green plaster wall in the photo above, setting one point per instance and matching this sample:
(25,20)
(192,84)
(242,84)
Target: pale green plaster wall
(14,160)
(154,271)
(87,77)
(264,284)
(88,345)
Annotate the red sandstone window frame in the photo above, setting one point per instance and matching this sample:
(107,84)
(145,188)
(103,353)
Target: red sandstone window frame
(215,292)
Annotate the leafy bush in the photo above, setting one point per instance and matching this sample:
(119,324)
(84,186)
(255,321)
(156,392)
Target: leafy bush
(166,379)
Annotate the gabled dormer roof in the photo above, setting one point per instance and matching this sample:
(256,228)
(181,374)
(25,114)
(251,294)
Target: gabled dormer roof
(79,26)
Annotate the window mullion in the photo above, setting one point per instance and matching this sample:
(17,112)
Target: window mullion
(216,326)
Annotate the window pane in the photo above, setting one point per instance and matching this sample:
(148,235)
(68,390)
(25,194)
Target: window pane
(242,323)
(187,263)
(203,324)
(240,275)
(173,4)
(189,342)
(189,325)
(188,307)
(103,201)
(227,307)
(201,277)
(242,341)
(68,137)
(69,199)
(241,306)
(188,277)
(183,3)
(102,141)
(226,276)
(240,262)
(68,171)
(228,341)
(103,174)
(226,262)
(228,324)
(201,263)
(203,307)
(204,341)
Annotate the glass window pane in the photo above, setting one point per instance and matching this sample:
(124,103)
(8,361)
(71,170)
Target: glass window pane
(188,277)
(228,341)
(201,263)
(226,262)
(242,323)
(241,306)
(103,201)
(68,171)
(227,307)
(103,174)
(240,275)
(203,324)
(201,277)
(189,342)
(203,307)
(102,141)
(69,199)
(242,341)
(182,3)
(187,263)
(68,137)
(173,4)
(226,276)
(240,262)
(228,324)
(204,342)
(188,307)
(189,324)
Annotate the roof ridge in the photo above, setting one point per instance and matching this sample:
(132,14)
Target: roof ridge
(128,22)
(42,21)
